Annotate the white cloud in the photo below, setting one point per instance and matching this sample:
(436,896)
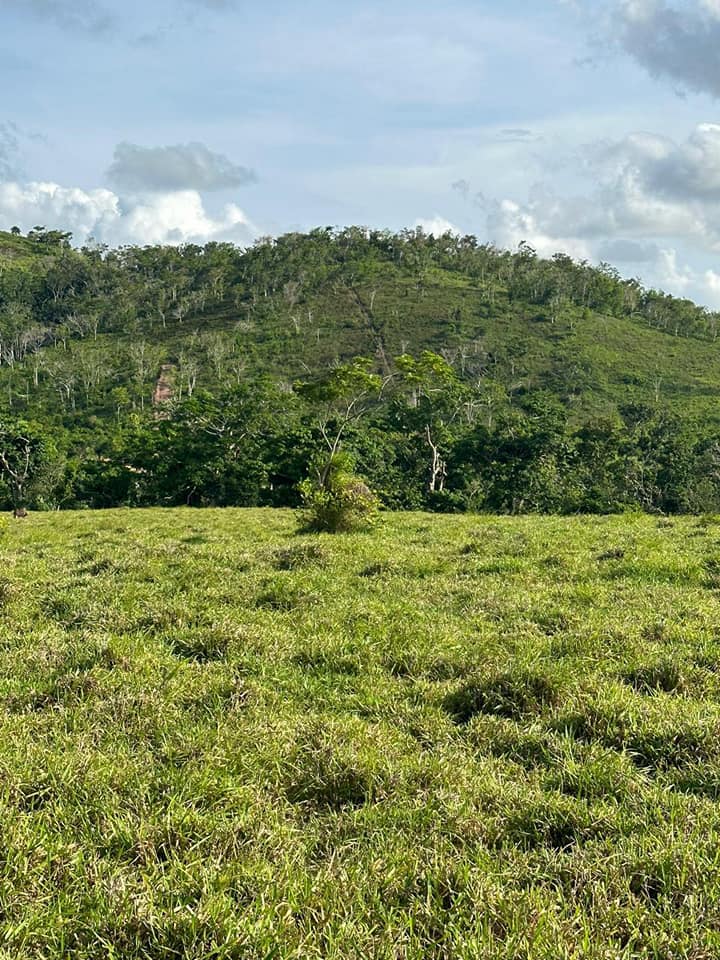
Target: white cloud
(437,226)
(684,171)
(178,218)
(685,281)
(183,166)
(173,218)
(651,204)
(510,223)
(644,188)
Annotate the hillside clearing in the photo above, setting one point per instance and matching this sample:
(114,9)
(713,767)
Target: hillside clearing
(452,737)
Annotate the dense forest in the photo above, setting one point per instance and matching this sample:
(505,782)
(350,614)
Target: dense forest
(451,374)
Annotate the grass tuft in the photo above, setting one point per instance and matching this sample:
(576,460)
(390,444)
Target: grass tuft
(513,694)
(664,676)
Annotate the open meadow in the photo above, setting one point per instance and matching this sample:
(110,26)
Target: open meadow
(450,737)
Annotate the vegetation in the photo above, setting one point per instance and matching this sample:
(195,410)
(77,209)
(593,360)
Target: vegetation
(23,453)
(457,376)
(335,499)
(471,737)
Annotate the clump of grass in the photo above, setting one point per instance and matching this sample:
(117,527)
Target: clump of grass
(497,736)
(556,823)
(653,738)
(712,571)
(7,589)
(284,597)
(513,693)
(663,676)
(552,622)
(615,553)
(201,644)
(427,666)
(298,556)
(332,772)
(471,548)
(656,632)
(592,772)
(31,796)
(329,661)
(377,569)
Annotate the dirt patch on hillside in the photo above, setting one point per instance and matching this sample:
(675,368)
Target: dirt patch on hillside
(163,385)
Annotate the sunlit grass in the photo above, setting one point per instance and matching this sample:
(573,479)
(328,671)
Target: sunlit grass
(449,737)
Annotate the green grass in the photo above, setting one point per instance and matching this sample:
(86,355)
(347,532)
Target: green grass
(451,737)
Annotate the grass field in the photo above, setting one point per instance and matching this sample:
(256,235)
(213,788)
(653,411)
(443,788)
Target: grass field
(452,737)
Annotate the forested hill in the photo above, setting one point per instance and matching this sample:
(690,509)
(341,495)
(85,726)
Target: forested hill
(98,344)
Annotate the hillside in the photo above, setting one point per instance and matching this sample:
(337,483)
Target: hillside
(90,338)
(304,302)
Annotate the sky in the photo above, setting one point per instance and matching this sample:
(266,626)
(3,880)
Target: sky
(590,127)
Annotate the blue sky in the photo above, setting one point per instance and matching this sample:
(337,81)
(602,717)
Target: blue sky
(589,127)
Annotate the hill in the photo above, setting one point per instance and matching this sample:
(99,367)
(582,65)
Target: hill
(90,339)
(469,737)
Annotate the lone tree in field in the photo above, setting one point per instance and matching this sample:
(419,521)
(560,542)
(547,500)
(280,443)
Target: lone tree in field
(22,458)
(335,497)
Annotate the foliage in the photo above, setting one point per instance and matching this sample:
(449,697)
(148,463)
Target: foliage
(459,376)
(24,452)
(335,499)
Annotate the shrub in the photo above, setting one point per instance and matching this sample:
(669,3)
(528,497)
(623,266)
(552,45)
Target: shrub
(337,500)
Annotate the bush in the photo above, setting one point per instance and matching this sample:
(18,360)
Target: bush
(337,500)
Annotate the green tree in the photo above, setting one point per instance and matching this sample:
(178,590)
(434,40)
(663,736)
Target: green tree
(336,499)
(339,400)
(24,453)
(433,398)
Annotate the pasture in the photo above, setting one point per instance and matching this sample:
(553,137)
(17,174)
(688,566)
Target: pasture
(467,738)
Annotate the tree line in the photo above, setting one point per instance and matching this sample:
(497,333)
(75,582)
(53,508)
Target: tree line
(152,375)
(419,437)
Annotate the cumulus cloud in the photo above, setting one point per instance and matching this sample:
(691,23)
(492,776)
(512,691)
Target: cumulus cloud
(652,203)
(86,15)
(437,226)
(653,185)
(172,218)
(540,222)
(676,40)
(189,166)
(685,171)
(686,281)
(646,189)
